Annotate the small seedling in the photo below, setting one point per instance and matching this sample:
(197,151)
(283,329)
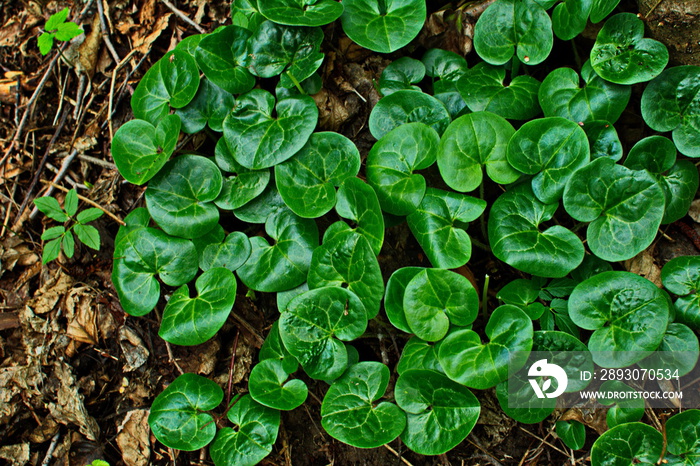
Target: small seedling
(59,237)
(57,28)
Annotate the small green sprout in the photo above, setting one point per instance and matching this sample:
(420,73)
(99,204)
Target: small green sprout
(57,28)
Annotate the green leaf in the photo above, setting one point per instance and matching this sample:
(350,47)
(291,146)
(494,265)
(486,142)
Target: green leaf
(603,140)
(444,65)
(307,181)
(395,292)
(67,31)
(88,215)
(683,436)
(407,106)
(53,233)
(473,142)
(383,26)
(241,187)
(285,264)
(671,102)
(301,12)
(358,202)
(601,9)
(293,52)
(623,408)
(679,350)
(273,348)
(569,18)
(258,140)
(510,27)
(244,13)
(51,208)
(572,433)
(440,413)
(210,106)
(314,323)
(232,253)
(517,400)
(180,197)
(347,260)
(401,74)
(561,95)
(267,386)
(625,444)
(70,203)
(171,82)
(51,250)
(418,354)
(190,43)
(88,235)
(566,351)
(192,321)
(391,164)
(258,210)
(439,225)
(628,314)
(484,88)
(57,19)
(350,412)
(625,208)
(252,438)
(45,42)
(681,276)
(467,361)
(436,298)
(679,180)
(222,56)
(621,54)
(516,239)
(68,244)
(140,149)
(177,418)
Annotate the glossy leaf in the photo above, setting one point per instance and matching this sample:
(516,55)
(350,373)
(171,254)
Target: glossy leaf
(395,292)
(440,413)
(572,433)
(268,203)
(621,55)
(307,181)
(140,149)
(273,348)
(251,440)
(517,400)
(566,351)
(631,443)
(210,106)
(407,106)
(418,354)
(358,202)
(244,13)
(243,185)
(484,88)
(177,418)
(230,254)
(444,65)
(436,298)
(401,74)
(350,412)
(301,12)
(569,18)
(623,408)
(314,323)
(467,361)
(681,276)
(383,26)
(679,350)
(391,164)
(88,235)
(516,239)
(221,55)
(284,264)
(683,436)
(625,208)
(628,314)
(258,140)
(473,142)
(603,140)
(180,197)
(671,102)
(561,95)
(601,9)
(511,27)
(267,386)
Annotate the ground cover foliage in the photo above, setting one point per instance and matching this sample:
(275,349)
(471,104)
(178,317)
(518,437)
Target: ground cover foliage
(256,192)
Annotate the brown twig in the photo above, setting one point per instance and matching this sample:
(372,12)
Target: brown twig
(229,386)
(105,32)
(89,201)
(64,168)
(172,358)
(403,460)
(183,16)
(111,91)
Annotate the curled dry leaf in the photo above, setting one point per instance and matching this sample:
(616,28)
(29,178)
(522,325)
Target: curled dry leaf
(134,349)
(69,407)
(134,438)
(46,298)
(643,265)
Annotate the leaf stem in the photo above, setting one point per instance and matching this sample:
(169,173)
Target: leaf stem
(482,195)
(514,67)
(480,245)
(296,82)
(577,57)
(485,296)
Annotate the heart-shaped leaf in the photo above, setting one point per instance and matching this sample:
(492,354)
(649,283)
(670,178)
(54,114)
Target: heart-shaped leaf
(601,9)
(274,49)
(180,197)
(383,26)
(484,88)
(347,260)
(439,225)
(510,27)
(628,313)
(229,254)
(678,351)
(222,55)
(284,264)
(243,185)
(621,54)
(444,65)
(566,351)
(401,74)
(140,149)
(679,180)
(395,291)
(177,418)
(603,140)
(267,386)
(683,436)
(252,439)
(418,354)
(407,106)
(391,164)
(440,413)
(262,207)
(561,95)
(625,407)
(631,443)
(552,149)
(307,181)
(314,323)
(625,208)
(681,276)
(516,239)
(210,106)
(192,321)
(518,401)
(569,18)
(467,361)
(301,12)
(171,82)
(257,139)
(273,348)
(244,13)
(358,202)
(436,298)
(473,142)
(350,413)
(671,102)
(572,433)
